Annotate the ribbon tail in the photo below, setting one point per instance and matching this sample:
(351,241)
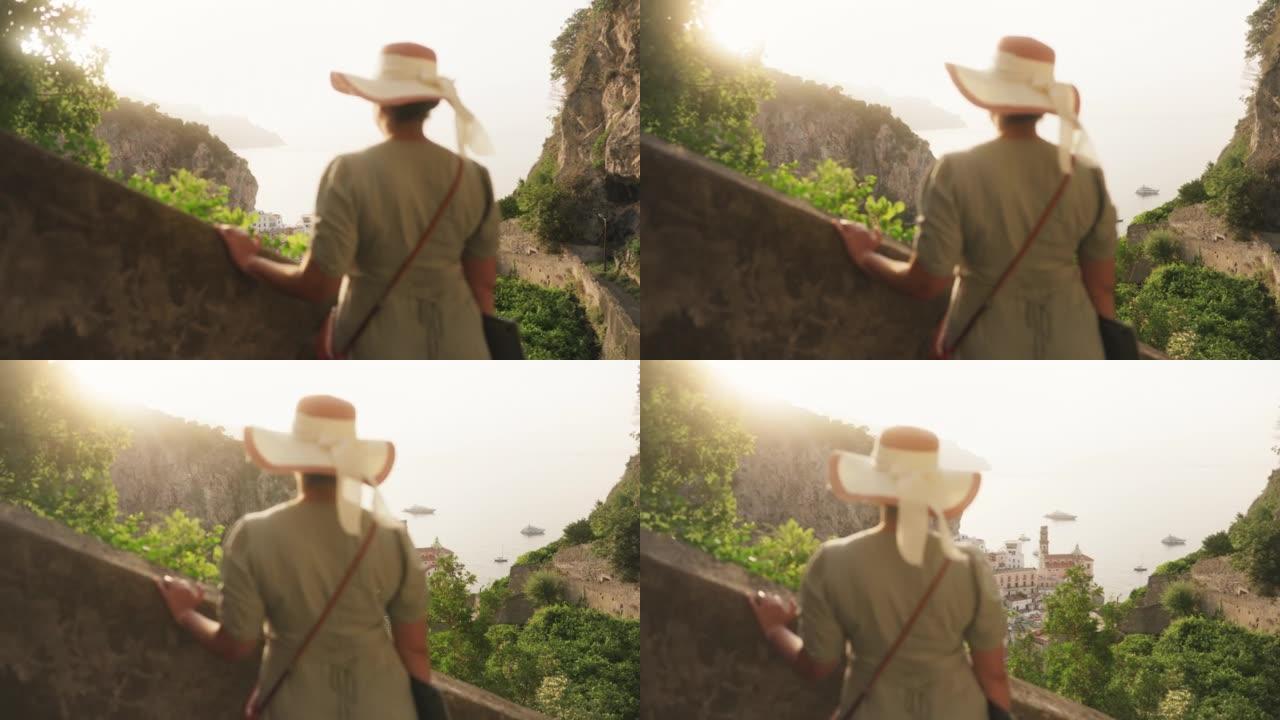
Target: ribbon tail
(471,134)
(348,503)
(381,513)
(913,530)
(949,548)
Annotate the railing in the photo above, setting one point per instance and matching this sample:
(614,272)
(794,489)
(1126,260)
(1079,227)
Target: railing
(92,269)
(703,656)
(735,269)
(85,635)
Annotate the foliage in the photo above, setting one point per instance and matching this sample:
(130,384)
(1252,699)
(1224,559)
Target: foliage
(1160,247)
(694,97)
(1157,214)
(1181,566)
(616,522)
(566,44)
(1217,544)
(579,532)
(542,554)
(460,649)
(835,189)
(1236,192)
(1181,599)
(546,207)
(193,195)
(597,149)
(1262,23)
(509,206)
(292,246)
(545,587)
(48,94)
(553,323)
(1256,539)
(1193,312)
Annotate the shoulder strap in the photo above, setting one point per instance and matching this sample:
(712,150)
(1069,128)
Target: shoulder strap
(404,267)
(946,352)
(324,615)
(902,635)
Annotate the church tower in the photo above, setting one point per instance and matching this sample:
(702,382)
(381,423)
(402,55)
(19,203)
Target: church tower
(1044,544)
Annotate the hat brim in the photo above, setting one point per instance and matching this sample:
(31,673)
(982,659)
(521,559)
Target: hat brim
(384,92)
(991,91)
(854,478)
(279,452)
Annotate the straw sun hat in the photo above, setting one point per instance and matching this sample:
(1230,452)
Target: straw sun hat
(1021,82)
(902,470)
(407,74)
(324,441)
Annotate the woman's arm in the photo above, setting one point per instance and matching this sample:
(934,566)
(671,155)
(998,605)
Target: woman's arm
(1100,282)
(182,599)
(989,667)
(774,617)
(306,281)
(909,278)
(482,276)
(411,645)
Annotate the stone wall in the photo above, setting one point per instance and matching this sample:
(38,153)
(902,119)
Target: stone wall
(1257,255)
(702,655)
(86,635)
(91,269)
(1225,591)
(617,310)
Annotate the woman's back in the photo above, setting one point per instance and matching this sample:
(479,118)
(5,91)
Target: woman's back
(282,565)
(860,589)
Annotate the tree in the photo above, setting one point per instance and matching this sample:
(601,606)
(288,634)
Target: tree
(545,587)
(1256,539)
(48,95)
(1217,544)
(1180,599)
(616,524)
(578,532)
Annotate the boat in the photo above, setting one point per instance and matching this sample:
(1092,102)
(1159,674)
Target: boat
(531,530)
(1059,515)
(499,559)
(420,510)
(1173,540)
(1023,538)
(1146,191)
(1139,568)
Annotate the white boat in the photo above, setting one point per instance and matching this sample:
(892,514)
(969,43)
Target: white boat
(1023,538)
(1059,515)
(1146,191)
(420,510)
(531,530)
(1140,568)
(1173,540)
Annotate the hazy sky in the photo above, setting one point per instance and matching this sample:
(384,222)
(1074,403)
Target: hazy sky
(270,62)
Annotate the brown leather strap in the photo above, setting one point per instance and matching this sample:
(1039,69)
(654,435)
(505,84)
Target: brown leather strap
(939,342)
(902,635)
(404,267)
(324,615)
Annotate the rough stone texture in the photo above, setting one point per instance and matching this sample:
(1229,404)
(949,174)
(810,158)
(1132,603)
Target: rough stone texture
(174,464)
(1200,234)
(702,655)
(1225,590)
(143,139)
(1261,128)
(591,582)
(807,122)
(1149,617)
(91,269)
(617,309)
(516,609)
(86,635)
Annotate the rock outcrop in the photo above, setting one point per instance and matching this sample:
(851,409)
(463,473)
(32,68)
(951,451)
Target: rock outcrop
(806,122)
(143,139)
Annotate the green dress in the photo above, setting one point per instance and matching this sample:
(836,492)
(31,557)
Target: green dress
(977,209)
(859,590)
(281,565)
(371,211)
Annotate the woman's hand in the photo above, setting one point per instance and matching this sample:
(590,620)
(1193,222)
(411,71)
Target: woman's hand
(179,595)
(859,240)
(770,612)
(242,246)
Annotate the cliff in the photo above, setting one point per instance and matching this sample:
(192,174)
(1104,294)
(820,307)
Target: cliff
(807,122)
(704,656)
(174,464)
(1260,127)
(87,636)
(91,269)
(143,139)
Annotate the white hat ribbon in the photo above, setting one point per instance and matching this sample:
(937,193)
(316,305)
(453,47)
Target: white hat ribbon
(470,132)
(1072,138)
(914,508)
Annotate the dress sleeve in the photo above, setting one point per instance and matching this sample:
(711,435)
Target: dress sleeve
(939,236)
(822,634)
(989,626)
(242,609)
(1100,242)
(409,601)
(333,246)
(483,243)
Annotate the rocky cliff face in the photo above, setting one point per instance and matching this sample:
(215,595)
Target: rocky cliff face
(1260,127)
(173,464)
(595,140)
(143,139)
(806,122)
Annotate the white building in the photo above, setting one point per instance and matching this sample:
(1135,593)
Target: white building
(308,223)
(268,222)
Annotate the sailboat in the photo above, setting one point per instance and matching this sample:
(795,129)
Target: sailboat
(502,557)
(1140,567)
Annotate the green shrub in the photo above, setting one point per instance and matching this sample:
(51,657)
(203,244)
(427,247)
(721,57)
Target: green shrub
(1161,247)
(509,206)
(546,207)
(1192,192)
(579,532)
(553,323)
(1217,544)
(597,149)
(1236,191)
(1181,566)
(1180,599)
(1156,215)
(1256,539)
(542,554)
(837,190)
(545,587)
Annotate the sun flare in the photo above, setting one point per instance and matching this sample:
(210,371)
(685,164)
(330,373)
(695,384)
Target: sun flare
(736,25)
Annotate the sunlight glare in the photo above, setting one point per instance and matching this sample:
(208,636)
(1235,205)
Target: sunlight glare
(737,25)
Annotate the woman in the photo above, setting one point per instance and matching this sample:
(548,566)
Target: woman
(283,565)
(978,208)
(372,209)
(866,588)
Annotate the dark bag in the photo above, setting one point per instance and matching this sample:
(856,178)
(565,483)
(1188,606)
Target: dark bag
(428,701)
(1118,340)
(503,337)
